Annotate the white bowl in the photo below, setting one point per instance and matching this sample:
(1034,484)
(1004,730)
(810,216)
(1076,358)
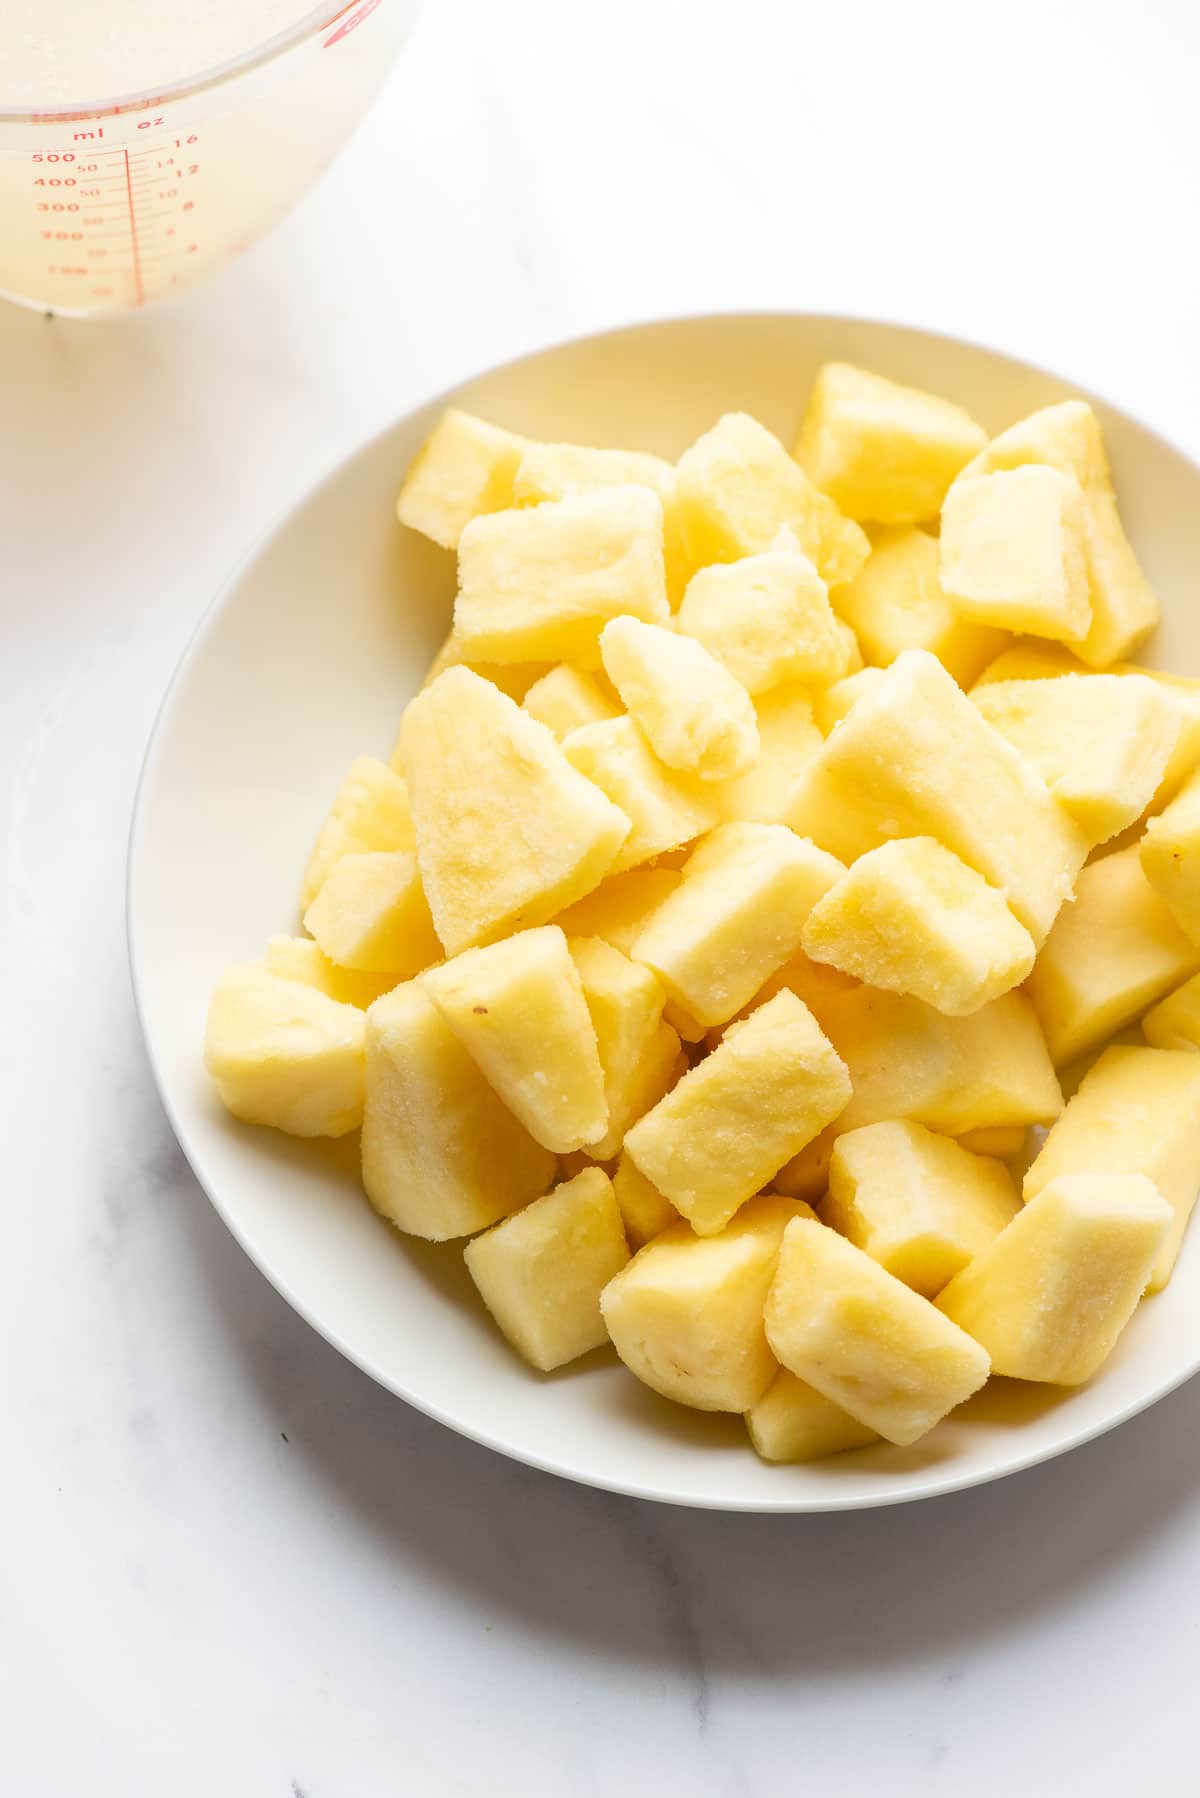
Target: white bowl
(305,661)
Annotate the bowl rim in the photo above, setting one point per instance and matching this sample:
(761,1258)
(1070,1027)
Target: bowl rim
(935,1485)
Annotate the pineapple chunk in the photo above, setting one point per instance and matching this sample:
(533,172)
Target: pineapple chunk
(788,738)
(563,470)
(1110,956)
(1174,1023)
(1051,1294)
(1170,857)
(644,1211)
(465,467)
(736,918)
(667,807)
(767,1089)
(540,583)
(792,1421)
(882,451)
(541,1272)
(371,915)
(638,1052)
(686,1315)
(1136,1112)
(766,618)
(620,907)
(738,488)
(371,811)
(299,958)
(952,1074)
(508,833)
(914,758)
(918,1204)
(284,1054)
(1101,742)
(518,1009)
(692,711)
(1004,1142)
(896,602)
(566,698)
(1030,662)
(442,1156)
(1013,552)
(911,917)
(1067,437)
(834,701)
(839,1321)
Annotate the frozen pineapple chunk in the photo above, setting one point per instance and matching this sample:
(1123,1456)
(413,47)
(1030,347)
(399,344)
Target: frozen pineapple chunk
(686,1315)
(788,737)
(833,702)
(284,1054)
(465,467)
(914,758)
(566,698)
(442,1155)
(620,907)
(1174,1023)
(1136,1112)
(1067,437)
(644,1211)
(918,1203)
(766,618)
(771,1084)
(1101,742)
(371,811)
(638,1052)
(562,470)
(518,1009)
(371,915)
(911,917)
(738,488)
(1051,1294)
(541,1272)
(691,710)
(299,958)
(540,583)
(792,1421)
(952,1074)
(667,807)
(508,832)
(1110,956)
(1013,552)
(736,917)
(839,1321)
(896,602)
(1170,857)
(883,451)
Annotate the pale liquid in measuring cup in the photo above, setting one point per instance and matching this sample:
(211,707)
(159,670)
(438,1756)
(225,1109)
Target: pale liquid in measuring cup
(58,51)
(101,212)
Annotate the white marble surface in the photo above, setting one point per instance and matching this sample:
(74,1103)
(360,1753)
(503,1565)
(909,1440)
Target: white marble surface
(231,1564)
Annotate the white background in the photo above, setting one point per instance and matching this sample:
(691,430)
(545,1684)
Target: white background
(191,1604)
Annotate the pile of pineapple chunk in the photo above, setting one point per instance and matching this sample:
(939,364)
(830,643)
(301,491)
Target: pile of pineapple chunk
(776,837)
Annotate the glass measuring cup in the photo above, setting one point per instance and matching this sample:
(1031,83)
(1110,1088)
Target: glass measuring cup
(105,206)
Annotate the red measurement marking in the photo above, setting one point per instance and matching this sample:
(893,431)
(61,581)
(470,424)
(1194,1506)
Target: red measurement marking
(133,238)
(357,18)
